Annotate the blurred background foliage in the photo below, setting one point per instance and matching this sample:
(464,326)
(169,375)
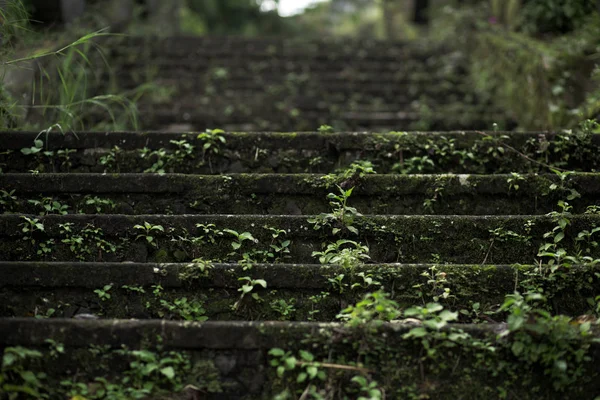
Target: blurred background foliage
(537,59)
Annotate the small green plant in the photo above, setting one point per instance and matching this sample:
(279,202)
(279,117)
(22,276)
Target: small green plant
(285,361)
(240,239)
(8,200)
(211,140)
(30,227)
(16,380)
(435,286)
(357,169)
(553,342)
(375,308)
(341,216)
(198,269)
(563,186)
(148,231)
(248,287)
(55,347)
(553,250)
(134,289)
(346,253)
(337,283)
(188,310)
(325,129)
(514,181)
(111,160)
(88,242)
(285,308)
(50,206)
(368,390)
(99,205)
(103,294)
(38,146)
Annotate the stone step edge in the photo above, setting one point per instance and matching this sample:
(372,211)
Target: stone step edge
(340,141)
(301,183)
(92,275)
(193,335)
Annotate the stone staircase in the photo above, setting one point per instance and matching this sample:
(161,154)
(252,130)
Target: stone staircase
(239,265)
(291,85)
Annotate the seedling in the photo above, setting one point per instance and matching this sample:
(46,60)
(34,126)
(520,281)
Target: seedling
(31,226)
(148,232)
(248,287)
(341,216)
(103,293)
(346,253)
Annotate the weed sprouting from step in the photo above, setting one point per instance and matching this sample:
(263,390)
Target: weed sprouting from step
(341,216)
(285,308)
(249,286)
(16,378)
(558,344)
(514,181)
(346,253)
(48,205)
(8,200)
(30,227)
(97,204)
(198,269)
(211,140)
(104,292)
(87,243)
(148,232)
(189,310)
(112,159)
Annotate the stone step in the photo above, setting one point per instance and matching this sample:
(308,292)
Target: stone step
(415,152)
(194,47)
(406,239)
(299,194)
(319,87)
(291,118)
(345,78)
(437,66)
(231,360)
(65,289)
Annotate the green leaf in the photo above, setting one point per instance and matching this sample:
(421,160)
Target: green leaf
(416,333)
(434,307)
(169,372)
(247,288)
(261,282)
(312,371)
(290,363)
(301,377)
(306,356)
(517,348)
(448,315)
(276,352)
(560,236)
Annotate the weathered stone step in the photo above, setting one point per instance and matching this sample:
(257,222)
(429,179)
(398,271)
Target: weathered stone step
(298,194)
(230,360)
(414,152)
(291,117)
(358,80)
(434,67)
(407,239)
(393,91)
(65,289)
(194,47)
